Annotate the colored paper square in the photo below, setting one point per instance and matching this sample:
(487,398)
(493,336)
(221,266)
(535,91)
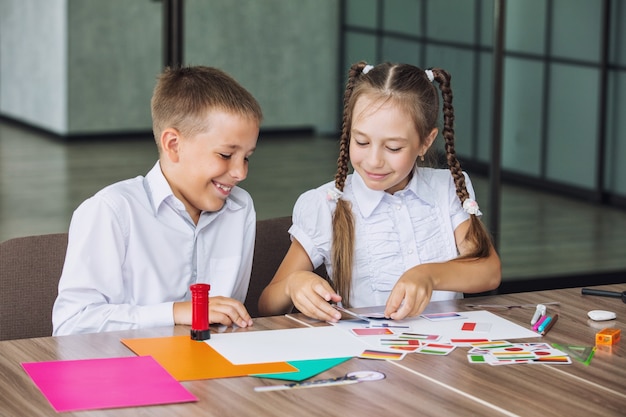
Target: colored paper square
(306,369)
(188,359)
(91,384)
(468,326)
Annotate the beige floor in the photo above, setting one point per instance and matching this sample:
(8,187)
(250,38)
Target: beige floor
(42,180)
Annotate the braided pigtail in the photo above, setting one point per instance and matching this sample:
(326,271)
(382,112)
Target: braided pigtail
(343,222)
(477,238)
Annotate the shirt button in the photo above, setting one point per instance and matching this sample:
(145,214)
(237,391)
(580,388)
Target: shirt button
(410,251)
(398,207)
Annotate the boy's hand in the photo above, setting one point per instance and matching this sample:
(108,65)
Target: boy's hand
(312,295)
(228,311)
(222,310)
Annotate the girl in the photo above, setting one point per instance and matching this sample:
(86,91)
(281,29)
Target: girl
(392,233)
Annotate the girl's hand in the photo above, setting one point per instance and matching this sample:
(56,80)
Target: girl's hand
(222,310)
(312,295)
(411,294)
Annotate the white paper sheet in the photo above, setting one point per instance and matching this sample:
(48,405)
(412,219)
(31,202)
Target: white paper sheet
(499,329)
(338,341)
(286,345)
(488,326)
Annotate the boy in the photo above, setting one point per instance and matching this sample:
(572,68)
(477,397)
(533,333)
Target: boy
(136,246)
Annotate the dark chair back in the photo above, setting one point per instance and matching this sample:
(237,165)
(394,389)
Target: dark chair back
(30,268)
(271,245)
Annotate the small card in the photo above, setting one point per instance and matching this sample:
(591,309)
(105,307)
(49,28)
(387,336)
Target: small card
(443,316)
(467,341)
(436,349)
(377,331)
(377,354)
(405,348)
(400,342)
(502,352)
(419,336)
(478,358)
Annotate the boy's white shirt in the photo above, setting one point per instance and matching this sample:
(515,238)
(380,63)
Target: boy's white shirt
(133,251)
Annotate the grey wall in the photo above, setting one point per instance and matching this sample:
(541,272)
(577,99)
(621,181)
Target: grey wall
(285,52)
(33,62)
(114,55)
(556,129)
(88,66)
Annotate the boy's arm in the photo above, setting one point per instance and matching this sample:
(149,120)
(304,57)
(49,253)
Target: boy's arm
(93,295)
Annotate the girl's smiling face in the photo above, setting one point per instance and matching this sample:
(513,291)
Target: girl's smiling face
(384,144)
(204,167)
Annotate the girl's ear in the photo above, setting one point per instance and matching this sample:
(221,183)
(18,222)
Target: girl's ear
(428,141)
(170,144)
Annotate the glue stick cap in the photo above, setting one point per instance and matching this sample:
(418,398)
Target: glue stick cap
(200,334)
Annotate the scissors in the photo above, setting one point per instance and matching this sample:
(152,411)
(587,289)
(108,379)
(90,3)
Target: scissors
(349,378)
(364,317)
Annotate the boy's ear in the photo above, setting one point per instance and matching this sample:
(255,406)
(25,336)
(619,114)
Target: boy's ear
(428,141)
(170,144)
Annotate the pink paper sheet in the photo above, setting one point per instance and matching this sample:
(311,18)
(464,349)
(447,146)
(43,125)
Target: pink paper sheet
(106,383)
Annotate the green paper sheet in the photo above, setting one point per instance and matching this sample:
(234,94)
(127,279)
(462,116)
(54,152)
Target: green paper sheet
(306,369)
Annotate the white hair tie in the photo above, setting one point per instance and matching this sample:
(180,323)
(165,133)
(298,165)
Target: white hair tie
(430,75)
(367,68)
(470,206)
(333,194)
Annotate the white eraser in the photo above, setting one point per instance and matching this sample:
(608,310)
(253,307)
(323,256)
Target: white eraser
(601,315)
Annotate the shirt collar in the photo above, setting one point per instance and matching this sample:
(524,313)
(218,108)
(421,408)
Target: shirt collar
(157,187)
(367,199)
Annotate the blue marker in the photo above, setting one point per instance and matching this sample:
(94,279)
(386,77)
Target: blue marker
(544,324)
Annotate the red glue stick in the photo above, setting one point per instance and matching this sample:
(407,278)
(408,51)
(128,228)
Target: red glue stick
(200,311)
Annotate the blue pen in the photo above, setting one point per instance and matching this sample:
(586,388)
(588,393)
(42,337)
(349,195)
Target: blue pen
(544,324)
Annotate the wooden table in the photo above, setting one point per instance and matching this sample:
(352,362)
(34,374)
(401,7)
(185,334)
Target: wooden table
(418,385)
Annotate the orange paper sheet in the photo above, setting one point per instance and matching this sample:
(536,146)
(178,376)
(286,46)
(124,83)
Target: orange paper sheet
(188,360)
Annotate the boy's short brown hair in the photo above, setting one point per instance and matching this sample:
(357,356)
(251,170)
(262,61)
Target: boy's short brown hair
(183,96)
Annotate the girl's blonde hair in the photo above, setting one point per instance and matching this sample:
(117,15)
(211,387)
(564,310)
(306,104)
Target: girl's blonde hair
(412,91)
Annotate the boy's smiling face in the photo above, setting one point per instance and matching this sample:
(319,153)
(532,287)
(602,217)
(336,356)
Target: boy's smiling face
(202,168)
